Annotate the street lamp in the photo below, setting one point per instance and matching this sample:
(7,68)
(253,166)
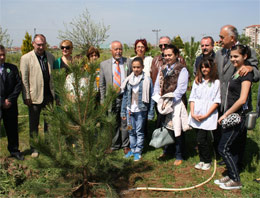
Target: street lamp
(156,32)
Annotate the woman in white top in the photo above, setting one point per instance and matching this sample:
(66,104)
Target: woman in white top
(141,48)
(204,100)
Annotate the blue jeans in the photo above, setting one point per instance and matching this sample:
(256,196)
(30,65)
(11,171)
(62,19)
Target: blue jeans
(136,134)
(230,150)
(178,147)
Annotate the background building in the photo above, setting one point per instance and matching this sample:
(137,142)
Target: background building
(253,32)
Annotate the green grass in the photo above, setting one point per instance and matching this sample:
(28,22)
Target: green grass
(16,176)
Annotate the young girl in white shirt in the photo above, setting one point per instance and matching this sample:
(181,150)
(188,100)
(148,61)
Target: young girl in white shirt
(204,100)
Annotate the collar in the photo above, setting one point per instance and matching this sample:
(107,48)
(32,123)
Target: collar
(120,60)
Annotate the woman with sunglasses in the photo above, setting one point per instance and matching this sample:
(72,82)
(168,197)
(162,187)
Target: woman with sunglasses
(64,61)
(141,48)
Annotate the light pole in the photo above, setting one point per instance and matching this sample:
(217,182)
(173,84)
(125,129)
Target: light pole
(156,31)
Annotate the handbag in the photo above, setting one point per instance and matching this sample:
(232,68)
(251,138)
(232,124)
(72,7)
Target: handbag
(231,120)
(251,120)
(161,137)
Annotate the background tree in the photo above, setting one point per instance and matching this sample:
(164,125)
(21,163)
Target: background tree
(189,50)
(27,44)
(177,41)
(84,32)
(243,39)
(5,38)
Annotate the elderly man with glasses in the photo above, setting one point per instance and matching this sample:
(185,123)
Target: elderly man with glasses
(36,67)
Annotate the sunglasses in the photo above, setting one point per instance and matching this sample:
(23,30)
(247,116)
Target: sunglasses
(161,45)
(65,47)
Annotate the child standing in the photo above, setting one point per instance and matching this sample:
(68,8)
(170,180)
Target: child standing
(204,100)
(234,137)
(136,106)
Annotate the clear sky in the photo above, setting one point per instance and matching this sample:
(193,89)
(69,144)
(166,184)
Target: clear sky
(129,19)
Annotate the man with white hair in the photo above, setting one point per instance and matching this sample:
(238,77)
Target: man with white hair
(113,72)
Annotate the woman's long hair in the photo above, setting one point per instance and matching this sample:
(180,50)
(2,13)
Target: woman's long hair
(207,62)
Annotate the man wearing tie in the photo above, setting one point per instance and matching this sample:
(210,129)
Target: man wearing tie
(113,72)
(10,88)
(36,67)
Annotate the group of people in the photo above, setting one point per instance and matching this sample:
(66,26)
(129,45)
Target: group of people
(222,86)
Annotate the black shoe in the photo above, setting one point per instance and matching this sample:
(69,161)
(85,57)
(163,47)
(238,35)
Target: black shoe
(221,163)
(18,155)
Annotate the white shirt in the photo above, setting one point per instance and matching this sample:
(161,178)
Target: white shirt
(204,95)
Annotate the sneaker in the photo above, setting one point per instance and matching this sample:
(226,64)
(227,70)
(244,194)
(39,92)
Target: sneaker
(199,165)
(129,154)
(137,157)
(231,185)
(222,180)
(35,154)
(206,166)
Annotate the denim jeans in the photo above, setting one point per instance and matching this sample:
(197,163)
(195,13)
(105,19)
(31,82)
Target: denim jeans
(229,148)
(178,147)
(136,134)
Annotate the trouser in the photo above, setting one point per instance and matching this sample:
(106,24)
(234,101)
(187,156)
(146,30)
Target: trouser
(230,150)
(203,137)
(136,134)
(121,138)
(10,120)
(34,117)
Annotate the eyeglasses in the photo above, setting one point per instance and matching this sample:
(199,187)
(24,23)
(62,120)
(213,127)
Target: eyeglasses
(165,45)
(65,47)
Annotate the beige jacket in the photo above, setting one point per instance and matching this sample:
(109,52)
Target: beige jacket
(32,76)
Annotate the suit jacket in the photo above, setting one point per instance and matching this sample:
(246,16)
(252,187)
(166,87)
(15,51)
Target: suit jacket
(32,77)
(106,76)
(226,71)
(10,86)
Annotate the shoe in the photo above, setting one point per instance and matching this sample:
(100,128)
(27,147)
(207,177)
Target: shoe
(206,166)
(126,150)
(221,163)
(129,154)
(199,165)
(231,185)
(177,162)
(222,180)
(35,154)
(257,180)
(137,157)
(18,156)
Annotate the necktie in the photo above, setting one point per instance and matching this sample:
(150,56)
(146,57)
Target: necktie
(117,76)
(226,58)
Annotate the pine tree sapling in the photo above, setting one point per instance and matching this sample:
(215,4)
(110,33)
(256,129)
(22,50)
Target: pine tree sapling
(80,130)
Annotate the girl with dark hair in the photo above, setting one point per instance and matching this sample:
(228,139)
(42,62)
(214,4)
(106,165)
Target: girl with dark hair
(233,137)
(204,100)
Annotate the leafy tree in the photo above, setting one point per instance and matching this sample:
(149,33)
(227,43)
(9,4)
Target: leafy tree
(243,39)
(5,38)
(27,44)
(126,47)
(80,131)
(189,50)
(177,41)
(84,32)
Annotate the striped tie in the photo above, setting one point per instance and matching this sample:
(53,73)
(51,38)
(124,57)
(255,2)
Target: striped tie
(117,77)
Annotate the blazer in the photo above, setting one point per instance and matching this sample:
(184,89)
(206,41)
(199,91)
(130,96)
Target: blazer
(32,77)
(10,86)
(106,77)
(226,71)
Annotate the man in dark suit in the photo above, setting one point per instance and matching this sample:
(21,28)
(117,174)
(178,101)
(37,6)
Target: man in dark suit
(10,86)
(207,48)
(113,72)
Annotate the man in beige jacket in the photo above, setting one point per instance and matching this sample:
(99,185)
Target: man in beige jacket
(36,67)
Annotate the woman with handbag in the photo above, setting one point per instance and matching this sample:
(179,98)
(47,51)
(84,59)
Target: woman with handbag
(233,120)
(204,100)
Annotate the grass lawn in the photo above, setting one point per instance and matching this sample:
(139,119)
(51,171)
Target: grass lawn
(15,176)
